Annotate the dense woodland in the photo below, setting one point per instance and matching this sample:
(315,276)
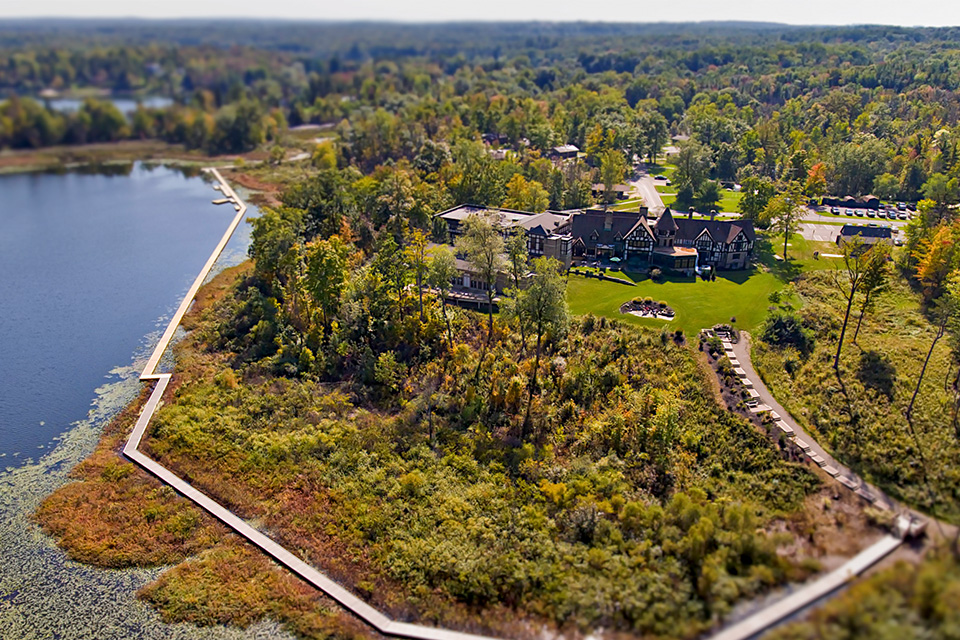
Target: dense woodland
(845,111)
(454,466)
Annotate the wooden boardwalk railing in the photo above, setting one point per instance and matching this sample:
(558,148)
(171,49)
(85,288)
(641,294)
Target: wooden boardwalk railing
(331,588)
(324,583)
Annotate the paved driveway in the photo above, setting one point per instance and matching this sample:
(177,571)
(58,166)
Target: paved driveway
(644,184)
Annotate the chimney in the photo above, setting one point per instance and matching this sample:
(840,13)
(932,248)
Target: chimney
(608,221)
(690,213)
(713,214)
(644,212)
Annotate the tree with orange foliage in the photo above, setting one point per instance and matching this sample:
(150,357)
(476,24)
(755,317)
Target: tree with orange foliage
(816,184)
(936,257)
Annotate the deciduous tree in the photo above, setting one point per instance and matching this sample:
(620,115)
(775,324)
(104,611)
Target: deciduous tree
(443,269)
(784,212)
(482,245)
(542,307)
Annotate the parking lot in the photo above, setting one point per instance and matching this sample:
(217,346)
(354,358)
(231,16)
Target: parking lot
(823,214)
(829,232)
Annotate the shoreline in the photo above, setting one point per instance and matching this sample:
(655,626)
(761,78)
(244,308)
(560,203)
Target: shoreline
(373,617)
(71,157)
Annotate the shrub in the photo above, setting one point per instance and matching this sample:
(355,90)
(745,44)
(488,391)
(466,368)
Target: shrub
(783,329)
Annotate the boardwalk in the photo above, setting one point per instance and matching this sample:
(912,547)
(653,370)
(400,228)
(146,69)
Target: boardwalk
(358,607)
(324,583)
(810,593)
(786,423)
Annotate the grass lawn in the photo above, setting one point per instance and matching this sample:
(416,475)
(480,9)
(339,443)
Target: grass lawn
(799,252)
(698,304)
(631,204)
(729,203)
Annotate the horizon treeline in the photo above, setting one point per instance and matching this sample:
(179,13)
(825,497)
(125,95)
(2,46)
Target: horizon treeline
(848,111)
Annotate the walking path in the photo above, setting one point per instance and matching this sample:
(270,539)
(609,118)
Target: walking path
(810,593)
(739,354)
(324,583)
(740,358)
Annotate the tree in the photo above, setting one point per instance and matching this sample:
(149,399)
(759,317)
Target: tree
(654,133)
(326,274)
(943,191)
(396,201)
(936,258)
(874,281)
(390,262)
(944,313)
(526,195)
(694,163)
(416,255)
(516,248)
(886,186)
(443,269)
(848,280)
(482,245)
(856,165)
(755,194)
(542,307)
(708,195)
(275,235)
(816,184)
(613,170)
(325,200)
(784,212)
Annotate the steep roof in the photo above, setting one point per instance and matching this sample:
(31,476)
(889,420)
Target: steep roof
(720,230)
(666,222)
(584,224)
(548,221)
(641,224)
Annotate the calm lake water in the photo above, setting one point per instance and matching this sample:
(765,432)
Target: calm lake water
(92,267)
(126,105)
(91,264)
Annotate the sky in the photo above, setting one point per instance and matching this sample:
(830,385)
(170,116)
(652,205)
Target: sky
(894,12)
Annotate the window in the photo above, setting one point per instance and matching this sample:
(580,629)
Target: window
(535,245)
(457,281)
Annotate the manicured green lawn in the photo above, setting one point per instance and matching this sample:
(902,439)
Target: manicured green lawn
(729,203)
(698,304)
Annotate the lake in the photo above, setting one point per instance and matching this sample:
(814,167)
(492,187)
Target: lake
(125,105)
(93,266)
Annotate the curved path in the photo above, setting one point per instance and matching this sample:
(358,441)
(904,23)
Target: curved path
(786,423)
(740,355)
(644,183)
(321,581)
(754,625)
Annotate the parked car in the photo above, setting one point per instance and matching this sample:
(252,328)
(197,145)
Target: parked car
(892,215)
(902,216)
(835,210)
(901,206)
(871,214)
(660,177)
